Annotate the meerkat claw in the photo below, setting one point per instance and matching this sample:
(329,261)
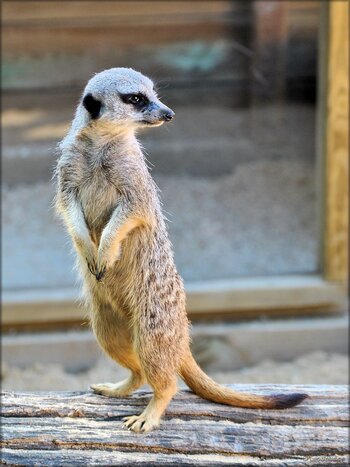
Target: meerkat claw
(100,274)
(92,268)
(140,423)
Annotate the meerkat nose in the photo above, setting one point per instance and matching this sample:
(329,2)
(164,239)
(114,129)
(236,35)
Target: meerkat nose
(168,115)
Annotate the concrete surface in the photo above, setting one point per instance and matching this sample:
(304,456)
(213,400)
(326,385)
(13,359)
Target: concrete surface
(217,347)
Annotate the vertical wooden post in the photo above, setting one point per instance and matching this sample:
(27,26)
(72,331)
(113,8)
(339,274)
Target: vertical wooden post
(337,145)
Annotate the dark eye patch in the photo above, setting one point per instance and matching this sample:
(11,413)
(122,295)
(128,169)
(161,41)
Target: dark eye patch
(139,100)
(92,105)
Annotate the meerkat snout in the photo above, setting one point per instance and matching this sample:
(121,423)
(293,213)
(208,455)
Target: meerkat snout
(126,97)
(168,115)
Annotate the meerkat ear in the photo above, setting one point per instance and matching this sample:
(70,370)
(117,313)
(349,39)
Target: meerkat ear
(92,105)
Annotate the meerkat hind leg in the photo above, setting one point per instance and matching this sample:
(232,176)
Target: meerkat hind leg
(113,335)
(121,389)
(150,417)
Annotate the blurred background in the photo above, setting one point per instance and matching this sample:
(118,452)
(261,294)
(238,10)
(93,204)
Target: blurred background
(242,173)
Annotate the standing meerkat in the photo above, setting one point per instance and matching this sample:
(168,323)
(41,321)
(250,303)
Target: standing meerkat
(110,205)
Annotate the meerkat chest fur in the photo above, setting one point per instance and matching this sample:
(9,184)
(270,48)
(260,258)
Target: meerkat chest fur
(111,169)
(108,173)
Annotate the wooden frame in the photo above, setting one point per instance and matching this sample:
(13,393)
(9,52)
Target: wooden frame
(337,146)
(246,298)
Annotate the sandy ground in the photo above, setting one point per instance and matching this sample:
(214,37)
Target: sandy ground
(313,368)
(257,220)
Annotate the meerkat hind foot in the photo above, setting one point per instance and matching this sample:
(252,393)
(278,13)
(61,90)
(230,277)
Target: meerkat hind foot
(121,389)
(151,416)
(141,423)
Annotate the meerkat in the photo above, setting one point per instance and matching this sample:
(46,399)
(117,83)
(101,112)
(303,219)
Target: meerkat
(112,211)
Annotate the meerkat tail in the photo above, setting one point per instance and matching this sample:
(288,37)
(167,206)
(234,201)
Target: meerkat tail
(205,387)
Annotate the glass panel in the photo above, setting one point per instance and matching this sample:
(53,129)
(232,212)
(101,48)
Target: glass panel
(236,167)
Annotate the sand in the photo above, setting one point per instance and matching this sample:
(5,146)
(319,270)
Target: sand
(312,368)
(258,220)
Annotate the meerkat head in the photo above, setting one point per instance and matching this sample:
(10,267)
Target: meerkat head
(124,97)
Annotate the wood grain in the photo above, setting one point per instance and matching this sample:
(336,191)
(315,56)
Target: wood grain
(24,11)
(80,428)
(337,157)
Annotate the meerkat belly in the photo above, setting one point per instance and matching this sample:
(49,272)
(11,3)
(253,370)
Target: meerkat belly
(98,200)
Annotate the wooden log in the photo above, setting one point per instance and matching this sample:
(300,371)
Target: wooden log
(81,428)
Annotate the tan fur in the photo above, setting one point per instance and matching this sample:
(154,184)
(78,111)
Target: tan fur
(136,298)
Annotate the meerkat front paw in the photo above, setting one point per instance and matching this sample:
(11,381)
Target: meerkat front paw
(91,259)
(88,253)
(101,268)
(96,270)
(100,273)
(105,261)
(91,264)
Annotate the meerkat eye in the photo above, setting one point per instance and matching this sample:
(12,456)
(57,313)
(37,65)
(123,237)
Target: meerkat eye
(137,100)
(134,99)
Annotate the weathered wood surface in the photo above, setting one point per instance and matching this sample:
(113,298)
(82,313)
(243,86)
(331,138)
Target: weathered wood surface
(81,428)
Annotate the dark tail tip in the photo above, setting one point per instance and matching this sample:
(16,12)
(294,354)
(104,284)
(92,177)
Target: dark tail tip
(284,401)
